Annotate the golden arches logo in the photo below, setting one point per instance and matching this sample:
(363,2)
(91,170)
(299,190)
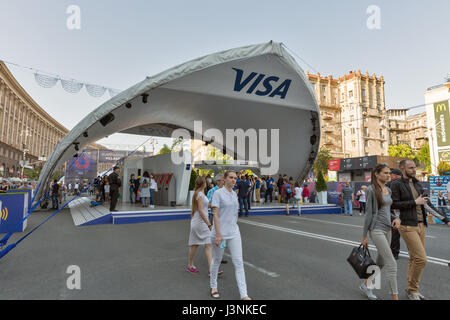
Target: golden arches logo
(4,215)
(441,107)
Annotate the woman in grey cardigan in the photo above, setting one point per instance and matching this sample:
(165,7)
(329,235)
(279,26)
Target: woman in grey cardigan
(378,224)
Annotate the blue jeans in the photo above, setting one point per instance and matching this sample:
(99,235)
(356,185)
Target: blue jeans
(144,201)
(132,195)
(55,201)
(243,201)
(152,196)
(348,205)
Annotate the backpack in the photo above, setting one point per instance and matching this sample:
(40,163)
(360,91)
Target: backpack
(289,189)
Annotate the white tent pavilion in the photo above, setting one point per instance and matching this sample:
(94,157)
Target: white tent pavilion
(254,87)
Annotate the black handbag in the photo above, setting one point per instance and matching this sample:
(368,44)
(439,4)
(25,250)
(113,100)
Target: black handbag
(360,260)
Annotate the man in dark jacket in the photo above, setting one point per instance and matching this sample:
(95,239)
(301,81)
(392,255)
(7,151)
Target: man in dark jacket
(243,189)
(408,196)
(115,183)
(395,242)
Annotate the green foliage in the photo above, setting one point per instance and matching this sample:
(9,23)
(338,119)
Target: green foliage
(321,185)
(401,151)
(194,177)
(321,164)
(165,149)
(423,157)
(32,174)
(177,146)
(443,168)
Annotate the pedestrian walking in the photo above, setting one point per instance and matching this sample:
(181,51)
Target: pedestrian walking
(269,190)
(145,189)
(298,197)
(348,197)
(107,190)
(226,234)
(409,197)
(258,190)
(55,194)
(115,183)
(377,223)
(242,189)
(153,189)
(361,198)
(200,233)
(131,187)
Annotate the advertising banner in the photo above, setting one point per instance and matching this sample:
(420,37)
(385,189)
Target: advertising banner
(83,167)
(438,187)
(13,208)
(442,118)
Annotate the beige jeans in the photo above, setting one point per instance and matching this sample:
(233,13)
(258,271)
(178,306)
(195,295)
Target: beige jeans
(414,238)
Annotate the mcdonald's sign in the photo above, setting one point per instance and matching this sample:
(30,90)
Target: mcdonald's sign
(442,118)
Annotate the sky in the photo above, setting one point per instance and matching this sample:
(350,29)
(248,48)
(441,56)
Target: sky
(120,42)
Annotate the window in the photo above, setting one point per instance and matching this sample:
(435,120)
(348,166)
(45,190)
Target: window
(366,131)
(382,145)
(324,88)
(353,144)
(366,144)
(363,93)
(350,94)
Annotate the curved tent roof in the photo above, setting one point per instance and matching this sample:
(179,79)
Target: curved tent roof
(253,87)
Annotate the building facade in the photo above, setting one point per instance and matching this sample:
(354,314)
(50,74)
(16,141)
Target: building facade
(27,132)
(353,114)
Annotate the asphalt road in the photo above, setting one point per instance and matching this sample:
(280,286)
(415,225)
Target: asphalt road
(285,258)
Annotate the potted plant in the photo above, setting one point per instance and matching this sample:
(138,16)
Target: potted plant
(194,177)
(321,188)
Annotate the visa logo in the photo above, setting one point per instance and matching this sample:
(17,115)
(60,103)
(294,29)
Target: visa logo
(268,84)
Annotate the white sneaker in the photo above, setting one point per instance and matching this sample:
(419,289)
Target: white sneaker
(414,295)
(152,206)
(368,292)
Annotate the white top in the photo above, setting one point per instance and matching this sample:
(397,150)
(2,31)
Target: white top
(205,202)
(298,193)
(448,187)
(153,184)
(362,197)
(76,186)
(106,187)
(228,205)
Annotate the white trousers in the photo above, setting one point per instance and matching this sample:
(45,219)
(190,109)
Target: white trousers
(235,246)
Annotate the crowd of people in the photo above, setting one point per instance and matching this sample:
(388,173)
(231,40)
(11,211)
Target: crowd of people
(394,205)
(252,189)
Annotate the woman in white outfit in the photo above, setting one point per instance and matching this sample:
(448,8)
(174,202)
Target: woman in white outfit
(200,225)
(225,207)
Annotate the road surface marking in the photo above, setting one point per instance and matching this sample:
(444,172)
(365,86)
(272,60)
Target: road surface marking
(267,273)
(336,240)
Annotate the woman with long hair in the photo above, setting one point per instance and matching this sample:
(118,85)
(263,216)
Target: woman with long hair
(200,225)
(377,224)
(145,189)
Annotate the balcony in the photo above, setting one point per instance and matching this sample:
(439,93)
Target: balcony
(328,129)
(328,116)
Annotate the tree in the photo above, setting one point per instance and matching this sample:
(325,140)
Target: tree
(165,149)
(443,168)
(321,164)
(194,177)
(321,185)
(401,151)
(176,146)
(423,157)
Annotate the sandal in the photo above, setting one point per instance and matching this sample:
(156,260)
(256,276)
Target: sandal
(215,295)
